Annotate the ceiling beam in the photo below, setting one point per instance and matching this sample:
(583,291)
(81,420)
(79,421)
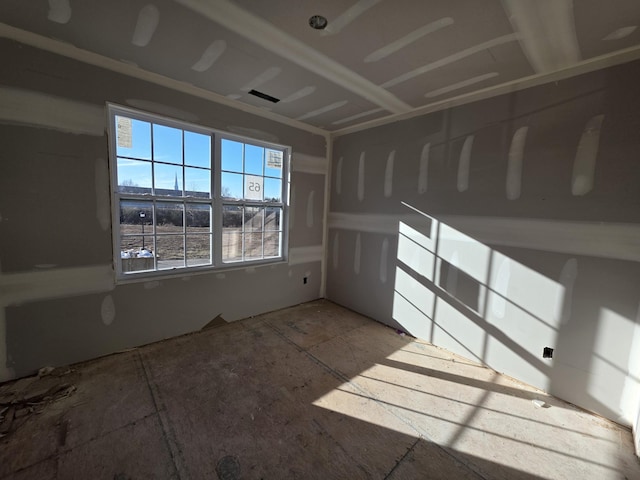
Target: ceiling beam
(266,35)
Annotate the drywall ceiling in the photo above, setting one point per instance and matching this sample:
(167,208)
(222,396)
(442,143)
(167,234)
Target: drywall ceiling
(376,59)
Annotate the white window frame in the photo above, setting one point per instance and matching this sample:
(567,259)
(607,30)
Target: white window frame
(216,201)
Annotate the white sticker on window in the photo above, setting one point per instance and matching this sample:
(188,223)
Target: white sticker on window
(124,132)
(274,159)
(253,187)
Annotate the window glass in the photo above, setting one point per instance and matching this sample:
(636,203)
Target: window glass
(171,216)
(197,149)
(167,144)
(231,155)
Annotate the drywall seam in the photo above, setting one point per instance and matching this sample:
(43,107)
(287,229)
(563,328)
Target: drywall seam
(310,254)
(620,33)
(18,288)
(388,174)
(408,39)
(310,208)
(26,107)
(349,15)
(108,310)
(302,163)
(148,19)
(450,59)
(584,165)
(423,170)
(210,56)
(67,50)
(606,240)
(59,11)
(596,63)
(339,176)
(384,260)
(464,164)
(322,110)
(357,253)
(361,177)
(297,95)
(271,38)
(266,76)
(514,163)
(567,279)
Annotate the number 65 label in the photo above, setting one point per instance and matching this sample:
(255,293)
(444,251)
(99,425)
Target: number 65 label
(253,187)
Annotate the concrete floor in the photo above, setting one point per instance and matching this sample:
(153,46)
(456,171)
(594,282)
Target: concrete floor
(314,391)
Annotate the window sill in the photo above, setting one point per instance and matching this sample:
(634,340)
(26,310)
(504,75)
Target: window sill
(122,279)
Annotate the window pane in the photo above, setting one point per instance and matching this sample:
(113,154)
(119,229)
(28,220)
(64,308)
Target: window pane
(273,161)
(232,185)
(252,246)
(231,245)
(133,138)
(253,187)
(168,180)
(198,182)
(272,190)
(167,144)
(231,233)
(197,149)
(133,257)
(169,217)
(253,159)
(136,217)
(231,156)
(170,251)
(272,244)
(272,219)
(134,176)
(198,218)
(253,217)
(232,216)
(198,250)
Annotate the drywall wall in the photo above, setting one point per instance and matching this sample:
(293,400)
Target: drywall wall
(59,302)
(501,227)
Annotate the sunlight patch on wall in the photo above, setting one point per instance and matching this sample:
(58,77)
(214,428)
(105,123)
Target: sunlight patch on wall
(462,295)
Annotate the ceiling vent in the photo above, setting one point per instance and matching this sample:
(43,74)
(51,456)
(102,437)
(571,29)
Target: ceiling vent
(264,96)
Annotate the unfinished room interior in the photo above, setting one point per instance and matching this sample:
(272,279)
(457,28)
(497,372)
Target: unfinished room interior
(340,239)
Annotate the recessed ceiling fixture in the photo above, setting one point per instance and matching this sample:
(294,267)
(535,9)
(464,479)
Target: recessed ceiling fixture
(318,22)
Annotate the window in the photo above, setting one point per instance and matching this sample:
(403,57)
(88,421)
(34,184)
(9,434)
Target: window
(187,197)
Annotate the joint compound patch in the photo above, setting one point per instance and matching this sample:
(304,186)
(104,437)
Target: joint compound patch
(108,310)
